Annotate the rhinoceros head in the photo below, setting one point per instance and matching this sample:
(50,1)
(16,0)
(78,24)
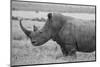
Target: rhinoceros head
(38,37)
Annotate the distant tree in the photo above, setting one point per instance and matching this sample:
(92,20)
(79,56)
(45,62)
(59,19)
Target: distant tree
(37,11)
(14,18)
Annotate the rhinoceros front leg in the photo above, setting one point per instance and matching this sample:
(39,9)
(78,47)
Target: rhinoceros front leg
(68,50)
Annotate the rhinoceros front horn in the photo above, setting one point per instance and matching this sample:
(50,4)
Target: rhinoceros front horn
(27,32)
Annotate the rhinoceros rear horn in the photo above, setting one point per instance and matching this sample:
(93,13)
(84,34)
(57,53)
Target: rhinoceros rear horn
(27,32)
(35,28)
(49,15)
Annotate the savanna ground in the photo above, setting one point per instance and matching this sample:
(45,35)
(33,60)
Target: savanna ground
(23,52)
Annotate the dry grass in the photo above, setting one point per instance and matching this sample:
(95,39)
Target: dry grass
(24,53)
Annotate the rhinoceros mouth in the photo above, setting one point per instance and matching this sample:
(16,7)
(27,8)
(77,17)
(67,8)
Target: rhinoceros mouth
(36,43)
(39,43)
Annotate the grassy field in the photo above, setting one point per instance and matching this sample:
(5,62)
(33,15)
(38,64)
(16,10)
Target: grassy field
(47,7)
(24,53)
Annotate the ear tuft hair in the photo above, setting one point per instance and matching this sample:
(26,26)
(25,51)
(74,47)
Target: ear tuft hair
(49,15)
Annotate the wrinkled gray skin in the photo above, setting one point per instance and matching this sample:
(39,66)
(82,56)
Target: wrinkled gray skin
(71,34)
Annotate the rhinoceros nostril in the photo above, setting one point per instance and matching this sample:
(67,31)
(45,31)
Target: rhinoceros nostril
(33,42)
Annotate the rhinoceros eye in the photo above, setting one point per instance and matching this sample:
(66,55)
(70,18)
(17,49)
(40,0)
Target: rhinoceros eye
(40,31)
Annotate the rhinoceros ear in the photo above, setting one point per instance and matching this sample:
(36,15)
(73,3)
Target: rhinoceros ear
(35,28)
(49,15)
